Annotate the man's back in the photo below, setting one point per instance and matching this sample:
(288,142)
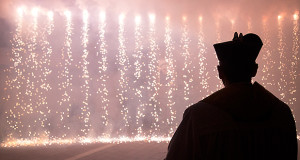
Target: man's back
(241,121)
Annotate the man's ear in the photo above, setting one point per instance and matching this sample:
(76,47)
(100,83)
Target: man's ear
(254,70)
(221,72)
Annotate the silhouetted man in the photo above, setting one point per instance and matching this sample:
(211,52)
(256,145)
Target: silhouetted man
(242,121)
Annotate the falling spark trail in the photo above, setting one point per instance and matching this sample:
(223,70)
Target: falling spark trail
(203,73)
(170,78)
(153,76)
(65,78)
(85,111)
(15,83)
(46,71)
(268,66)
(295,61)
(123,89)
(32,73)
(139,88)
(282,83)
(103,77)
(187,68)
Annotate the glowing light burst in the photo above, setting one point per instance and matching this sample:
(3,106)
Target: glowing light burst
(103,77)
(200,18)
(35,12)
(50,16)
(187,64)
(152,18)
(21,11)
(296,16)
(123,63)
(68,14)
(170,77)
(85,111)
(102,17)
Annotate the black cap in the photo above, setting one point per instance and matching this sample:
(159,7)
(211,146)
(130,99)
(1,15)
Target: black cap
(241,50)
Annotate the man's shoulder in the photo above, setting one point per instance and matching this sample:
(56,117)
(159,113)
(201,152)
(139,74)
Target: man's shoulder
(260,92)
(268,97)
(248,101)
(201,106)
(265,92)
(205,112)
(206,118)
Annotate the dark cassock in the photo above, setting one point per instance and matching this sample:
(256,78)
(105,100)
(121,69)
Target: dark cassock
(219,128)
(242,121)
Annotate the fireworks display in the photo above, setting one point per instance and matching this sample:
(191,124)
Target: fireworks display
(100,77)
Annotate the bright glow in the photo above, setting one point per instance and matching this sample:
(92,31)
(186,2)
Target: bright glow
(138,20)
(184,18)
(85,14)
(67,14)
(35,12)
(121,18)
(296,16)
(21,11)
(232,21)
(233,29)
(103,90)
(279,17)
(152,18)
(138,65)
(200,18)
(167,18)
(50,15)
(102,16)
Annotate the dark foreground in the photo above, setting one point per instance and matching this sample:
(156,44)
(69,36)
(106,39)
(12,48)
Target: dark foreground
(99,151)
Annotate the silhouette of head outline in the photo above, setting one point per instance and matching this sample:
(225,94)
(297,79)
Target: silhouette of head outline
(242,49)
(237,58)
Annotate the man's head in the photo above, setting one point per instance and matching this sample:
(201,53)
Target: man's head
(237,58)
